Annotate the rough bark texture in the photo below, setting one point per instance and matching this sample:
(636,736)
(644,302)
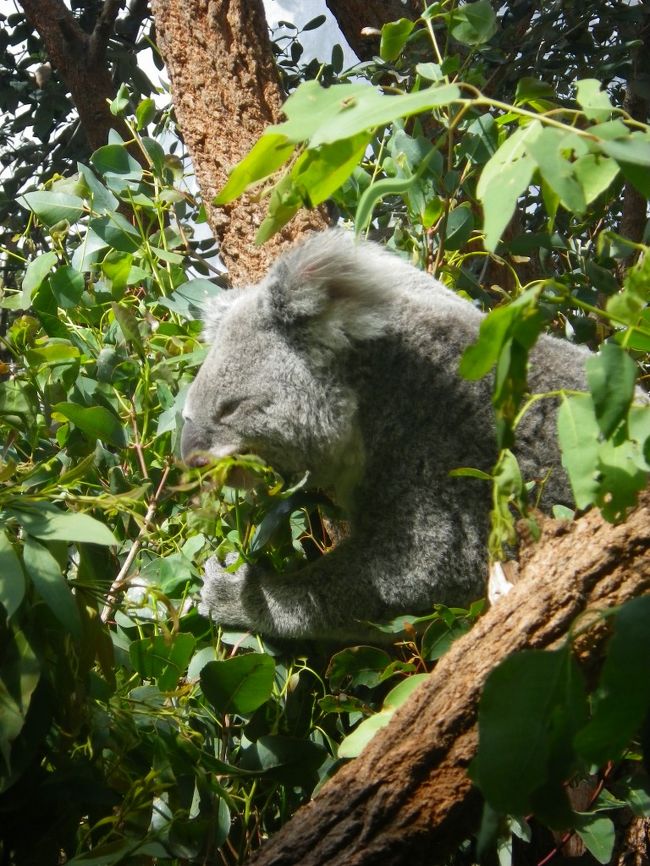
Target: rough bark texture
(226,92)
(355,15)
(80,59)
(408,799)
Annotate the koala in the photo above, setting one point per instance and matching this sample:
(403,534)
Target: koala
(343,362)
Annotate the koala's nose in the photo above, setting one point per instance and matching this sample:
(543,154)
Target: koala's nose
(191,445)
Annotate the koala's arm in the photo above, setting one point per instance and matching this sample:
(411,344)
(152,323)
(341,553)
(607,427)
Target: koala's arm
(331,598)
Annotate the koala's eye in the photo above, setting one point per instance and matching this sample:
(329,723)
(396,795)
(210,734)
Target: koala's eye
(227,408)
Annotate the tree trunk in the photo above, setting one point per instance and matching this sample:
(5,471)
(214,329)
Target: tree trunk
(407,798)
(226,92)
(80,59)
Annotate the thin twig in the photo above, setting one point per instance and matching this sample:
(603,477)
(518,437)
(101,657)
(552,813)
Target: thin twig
(122,579)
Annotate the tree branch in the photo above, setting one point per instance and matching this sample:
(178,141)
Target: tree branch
(103,29)
(353,16)
(77,61)
(408,798)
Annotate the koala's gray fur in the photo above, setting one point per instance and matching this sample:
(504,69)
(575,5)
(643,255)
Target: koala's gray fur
(344,361)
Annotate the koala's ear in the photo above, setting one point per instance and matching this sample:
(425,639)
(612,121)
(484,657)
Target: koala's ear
(335,281)
(214,311)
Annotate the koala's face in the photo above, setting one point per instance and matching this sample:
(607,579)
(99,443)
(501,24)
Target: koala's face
(262,391)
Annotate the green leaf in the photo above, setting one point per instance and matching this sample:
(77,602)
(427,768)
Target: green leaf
(145,113)
(531,705)
(598,834)
(322,115)
(520,320)
(638,176)
(320,172)
(102,199)
(403,691)
(504,178)
(370,109)
(358,665)
(20,672)
(460,224)
(191,298)
(629,305)
(287,759)
(121,101)
(117,232)
(115,159)
(67,286)
(470,472)
(595,174)
(12,579)
(117,268)
(638,425)
(622,699)
(394,36)
(53,207)
(578,433)
(352,745)
(96,422)
(157,156)
(439,636)
(623,474)
(593,101)
(240,684)
(128,323)
(314,23)
(547,147)
(634,150)
(611,375)
(267,155)
(49,523)
(51,585)
(533,90)
(163,658)
(474,23)
(35,273)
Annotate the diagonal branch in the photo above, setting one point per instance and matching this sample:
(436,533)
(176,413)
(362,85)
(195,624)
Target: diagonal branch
(407,798)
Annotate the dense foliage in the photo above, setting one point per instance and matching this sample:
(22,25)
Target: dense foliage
(132,729)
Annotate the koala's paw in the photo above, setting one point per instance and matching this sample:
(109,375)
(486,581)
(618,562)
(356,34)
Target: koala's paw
(223,594)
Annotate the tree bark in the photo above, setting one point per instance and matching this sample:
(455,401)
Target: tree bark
(634,214)
(226,92)
(80,59)
(355,16)
(407,798)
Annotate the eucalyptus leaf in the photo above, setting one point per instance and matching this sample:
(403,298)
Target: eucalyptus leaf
(51,585)
(96,422)
(394,36)
(578,432)
(36,271)
(593,100)
(49,523)
(240,684)
(53,207)
(611,375)
(12,578)
(504,178)
(531,705)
